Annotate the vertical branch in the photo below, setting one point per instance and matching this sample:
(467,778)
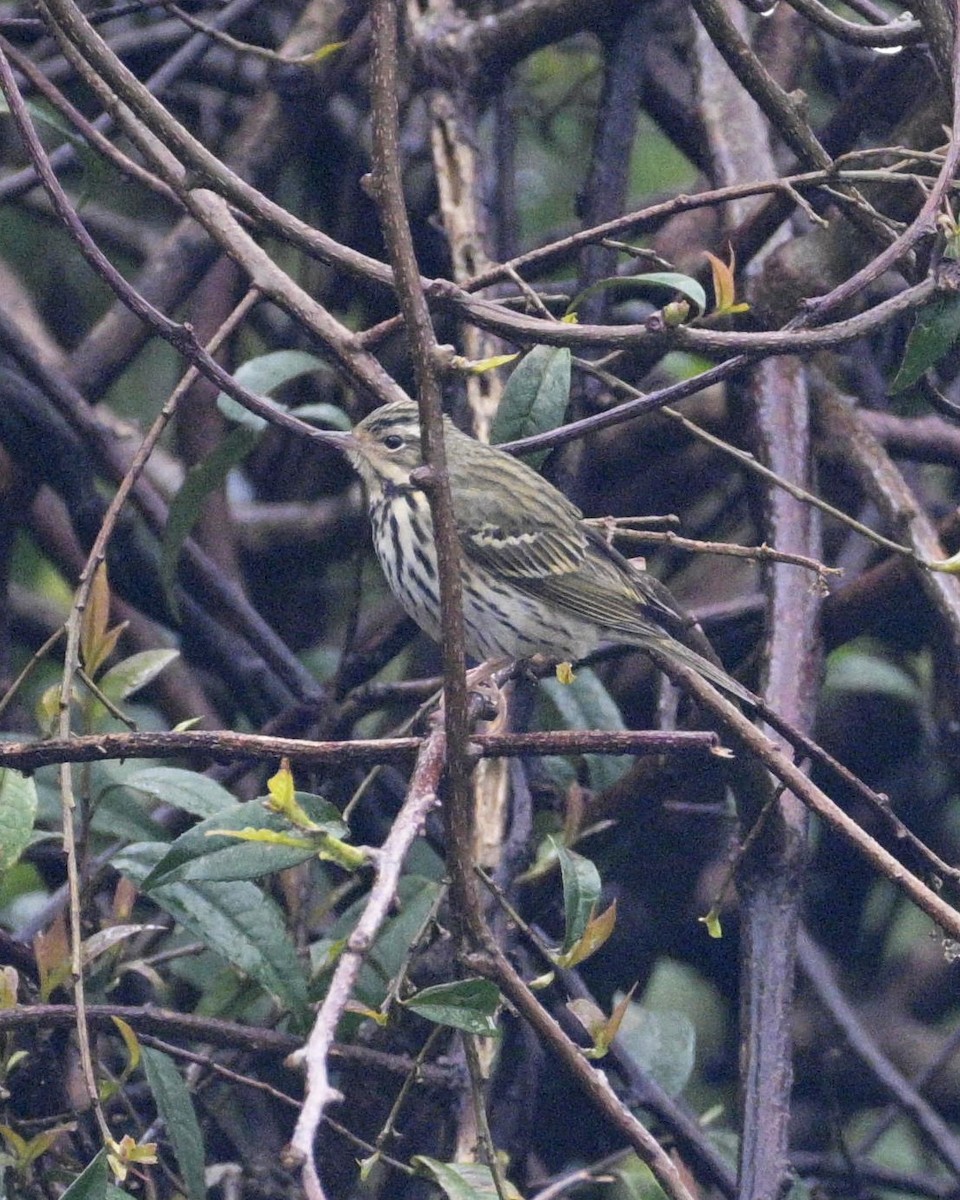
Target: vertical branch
(457,169)
(606,188)
(388,189)
(772,877)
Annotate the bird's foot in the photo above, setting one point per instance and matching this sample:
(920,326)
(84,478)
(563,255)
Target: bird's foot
(482,680)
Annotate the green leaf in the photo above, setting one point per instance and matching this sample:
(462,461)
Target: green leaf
(596,933)
(468,1004)
(18,808)
(316,56)
(633,1180)
(581,891)
(724,286)
(612,1025)
(23,1153)
(134,673)
(188,790)
(175,1107)
(120,814)
(535,398)
(131,1045)
(238,921)
(323,414)
(95,646)
(862,667)
(201,854)
(43,114)
(935,329)
(201,481)
(662,1043)
(263,375)
(674,280)
(462,1181)
(712,923)
(95,170)
(91,1183)
(586,704)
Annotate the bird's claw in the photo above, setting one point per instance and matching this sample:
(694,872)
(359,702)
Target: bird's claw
(480,680)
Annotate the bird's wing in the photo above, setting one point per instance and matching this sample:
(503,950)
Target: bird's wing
(608,590)
(520,553)
(514,525)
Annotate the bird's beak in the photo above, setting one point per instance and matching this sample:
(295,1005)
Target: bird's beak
(337,439)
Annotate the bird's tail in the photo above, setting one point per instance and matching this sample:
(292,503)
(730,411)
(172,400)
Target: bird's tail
(673,649)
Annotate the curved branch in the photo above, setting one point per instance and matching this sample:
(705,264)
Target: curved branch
(896,33)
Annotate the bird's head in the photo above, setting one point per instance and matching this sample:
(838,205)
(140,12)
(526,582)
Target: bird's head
(384,447)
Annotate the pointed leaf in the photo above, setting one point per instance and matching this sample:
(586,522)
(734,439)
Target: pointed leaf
(105,648)
(479,365)
(132,1045)
(91,1183)
(724,287)
(663,1043)
(283,792)
(175,1107)
(686,285)
(41,1142)
(317,56)
(935,329)
(469,1004)
(590,1015)
(948,566)
(585,703)
(51,948)
(18,810)
(371,1014)
(315,844)
(608,1030)
(581,891)
(105,939)
(93,623)
(134,673)
(16,1143)
(536,396)
(597,932)
(236,920)
(712,922)
(204,852)
(462,1181)
(188,790)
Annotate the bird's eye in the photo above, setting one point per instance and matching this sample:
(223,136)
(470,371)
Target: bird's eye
(393,441)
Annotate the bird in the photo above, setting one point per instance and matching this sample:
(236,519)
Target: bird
(537,578)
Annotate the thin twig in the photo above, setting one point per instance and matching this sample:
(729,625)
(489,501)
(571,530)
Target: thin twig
(389,860)
(484,1137)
